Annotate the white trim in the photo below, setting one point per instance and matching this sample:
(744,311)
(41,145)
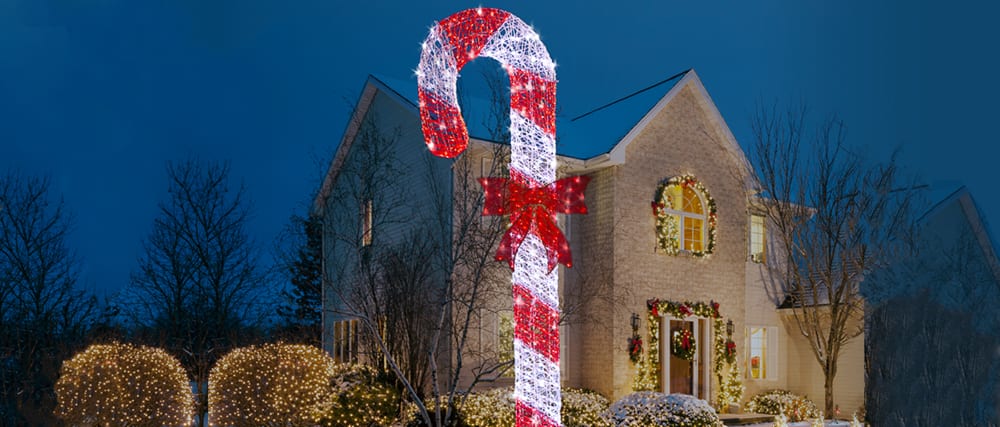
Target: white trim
(702,359)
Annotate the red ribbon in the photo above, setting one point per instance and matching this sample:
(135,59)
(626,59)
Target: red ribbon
(532,209)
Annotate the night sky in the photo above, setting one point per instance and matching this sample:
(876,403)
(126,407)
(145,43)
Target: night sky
(99,94)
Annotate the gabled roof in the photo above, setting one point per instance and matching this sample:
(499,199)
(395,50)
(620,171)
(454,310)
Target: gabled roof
(980,229)
(592,139)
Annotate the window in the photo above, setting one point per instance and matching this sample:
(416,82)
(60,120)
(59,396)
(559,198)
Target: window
(345,341)
(366,223)
(486,168)
(688,210)
(757,239)
(505,340)
(762,352)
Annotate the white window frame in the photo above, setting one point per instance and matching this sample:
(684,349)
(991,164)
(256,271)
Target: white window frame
(701,360)
(755,256)
(684,214)
(769,358)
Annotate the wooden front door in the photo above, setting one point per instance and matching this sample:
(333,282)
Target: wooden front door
(681,371)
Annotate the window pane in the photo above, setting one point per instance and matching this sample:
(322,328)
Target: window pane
(692,203)
(505,338)
(757,359)
(676,197)
(694,233)
(757,238)
(366,226)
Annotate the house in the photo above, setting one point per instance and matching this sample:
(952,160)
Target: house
(932,322)
(671,248)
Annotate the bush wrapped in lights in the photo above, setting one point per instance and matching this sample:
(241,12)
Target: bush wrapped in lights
(495,408)
(123,384)
(650,408)
(272,384)
(360,397)
(782,402)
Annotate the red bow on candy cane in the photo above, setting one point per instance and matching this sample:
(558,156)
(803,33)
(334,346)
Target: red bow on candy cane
(533,209)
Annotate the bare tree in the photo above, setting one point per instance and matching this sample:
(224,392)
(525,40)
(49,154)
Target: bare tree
(197,291)
(930,334)
(422,278)
(833,219)
(43,318)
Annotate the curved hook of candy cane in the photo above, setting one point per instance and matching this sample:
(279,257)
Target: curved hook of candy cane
(462,37)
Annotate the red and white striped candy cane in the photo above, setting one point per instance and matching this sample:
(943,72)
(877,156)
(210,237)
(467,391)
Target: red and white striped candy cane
(533,245)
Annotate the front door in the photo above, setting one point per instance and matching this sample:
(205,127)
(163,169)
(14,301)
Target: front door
(681,370)
(680,375)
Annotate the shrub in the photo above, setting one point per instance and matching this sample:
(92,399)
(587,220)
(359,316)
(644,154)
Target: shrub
(495,408)
(272,384)
(123,384)
(360,397)
(650,408)
(413,418)
(583,408)
(783,402)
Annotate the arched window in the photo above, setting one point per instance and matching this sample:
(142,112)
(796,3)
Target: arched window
(685,217)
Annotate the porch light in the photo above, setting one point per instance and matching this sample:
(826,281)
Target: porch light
(729,328)
(635,322)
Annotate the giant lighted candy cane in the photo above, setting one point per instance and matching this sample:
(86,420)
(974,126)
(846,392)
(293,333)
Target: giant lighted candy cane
(533,244)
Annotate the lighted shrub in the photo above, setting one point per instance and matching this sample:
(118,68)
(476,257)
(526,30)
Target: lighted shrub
(649,408)
(583,408)
(271,384)
(360,396)
(123,384)
(782,402)
(495,408)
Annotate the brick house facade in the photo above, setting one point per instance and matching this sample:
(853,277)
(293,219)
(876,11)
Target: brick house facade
(669,130)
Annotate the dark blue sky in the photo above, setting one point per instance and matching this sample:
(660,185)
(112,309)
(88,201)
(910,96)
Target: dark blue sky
(100,94)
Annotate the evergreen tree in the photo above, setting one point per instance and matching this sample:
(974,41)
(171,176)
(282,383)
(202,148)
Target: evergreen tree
(301,311)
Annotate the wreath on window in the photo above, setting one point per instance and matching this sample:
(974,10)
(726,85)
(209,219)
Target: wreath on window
(667,228)
(684,345)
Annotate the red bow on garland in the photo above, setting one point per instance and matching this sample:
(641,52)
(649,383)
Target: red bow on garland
(532,209)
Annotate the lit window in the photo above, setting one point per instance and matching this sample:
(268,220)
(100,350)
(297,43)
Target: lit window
(761,352)
(688,210)
(366,226)
(757,243)
(505,340)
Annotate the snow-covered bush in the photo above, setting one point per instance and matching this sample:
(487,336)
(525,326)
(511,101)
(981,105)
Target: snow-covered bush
(783,402)
(123,384)
(650,408)
(360,396)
